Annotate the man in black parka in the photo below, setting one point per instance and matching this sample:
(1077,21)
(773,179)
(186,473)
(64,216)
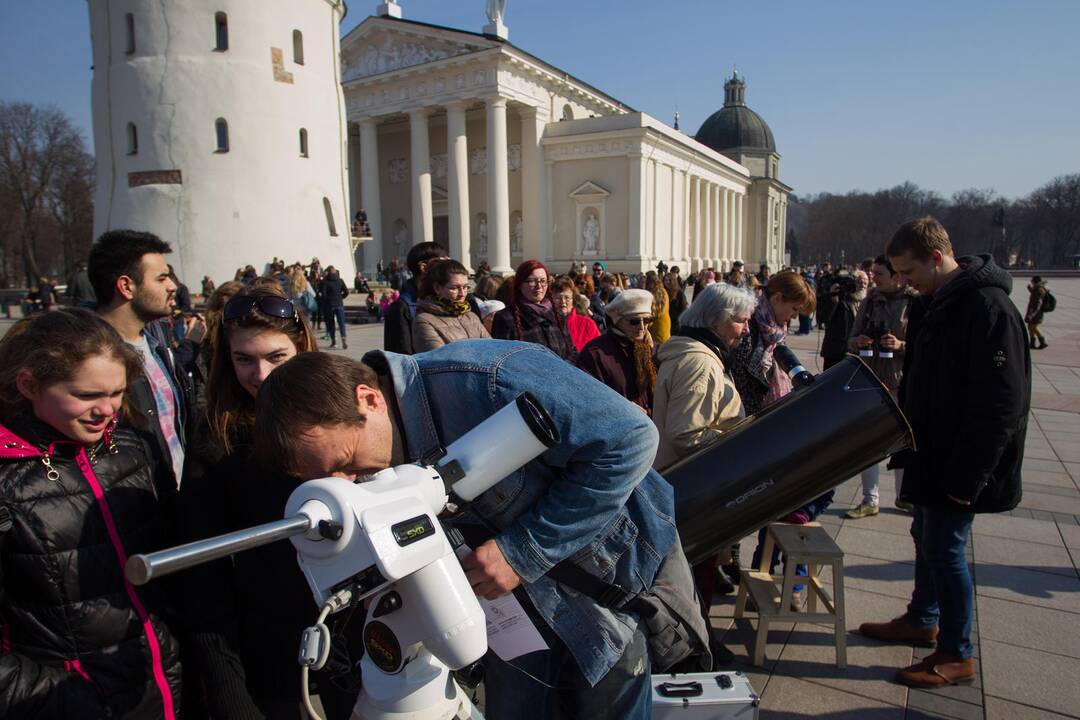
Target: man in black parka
(966,391)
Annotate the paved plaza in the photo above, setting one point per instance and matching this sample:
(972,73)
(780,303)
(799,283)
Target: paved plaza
(1025,565)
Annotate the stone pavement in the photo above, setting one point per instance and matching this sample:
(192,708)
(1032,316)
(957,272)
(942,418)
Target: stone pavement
(1025,565)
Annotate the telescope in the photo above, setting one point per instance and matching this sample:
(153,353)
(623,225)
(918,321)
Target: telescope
(381,538)
(783,457)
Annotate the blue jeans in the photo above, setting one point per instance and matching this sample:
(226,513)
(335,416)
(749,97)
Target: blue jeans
(332,314)
(624,692)
(943,593)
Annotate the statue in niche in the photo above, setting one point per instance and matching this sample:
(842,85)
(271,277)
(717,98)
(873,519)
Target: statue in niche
(482,238)
(495,11)
(401,239)
(591,233)
(518,237)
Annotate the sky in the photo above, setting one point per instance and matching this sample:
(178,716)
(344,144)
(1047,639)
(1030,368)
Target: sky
(860,94)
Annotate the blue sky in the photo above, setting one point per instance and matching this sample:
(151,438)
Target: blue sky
(859,94)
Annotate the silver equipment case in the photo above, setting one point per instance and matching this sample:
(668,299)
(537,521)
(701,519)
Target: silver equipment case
(704,696)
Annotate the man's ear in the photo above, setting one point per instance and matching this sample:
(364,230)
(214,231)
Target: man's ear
(125,286)
(937,255)
(368,399)
(25,384)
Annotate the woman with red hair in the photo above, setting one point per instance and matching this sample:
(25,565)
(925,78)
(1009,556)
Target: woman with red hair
(530,314)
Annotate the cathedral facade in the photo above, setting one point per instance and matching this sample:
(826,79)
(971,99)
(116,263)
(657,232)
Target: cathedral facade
(462,138)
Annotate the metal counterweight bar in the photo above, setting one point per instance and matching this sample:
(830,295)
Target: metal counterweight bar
(141,569)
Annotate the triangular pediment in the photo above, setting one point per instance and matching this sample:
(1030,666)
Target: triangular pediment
(382,45)
(589,190)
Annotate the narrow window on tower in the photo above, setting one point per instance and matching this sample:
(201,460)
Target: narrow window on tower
(329,216)
(221,130)
(132,139)
(298,47)
(129,29)
(303,142)
(221,31)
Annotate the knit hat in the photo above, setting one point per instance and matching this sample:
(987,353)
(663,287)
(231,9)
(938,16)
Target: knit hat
(487,307)
(629,302)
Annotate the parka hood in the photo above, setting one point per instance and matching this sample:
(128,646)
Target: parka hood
(976,272)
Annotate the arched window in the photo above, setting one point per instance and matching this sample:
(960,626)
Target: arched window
(329,216)
(303,142)
(298,47)
(132,139)
(567,112)
(221,130)
(221,31)
(129,29)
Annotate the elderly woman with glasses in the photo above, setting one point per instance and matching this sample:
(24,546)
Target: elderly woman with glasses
(530,315)
(443,314)
(241,646)
(696,400)
(622,358)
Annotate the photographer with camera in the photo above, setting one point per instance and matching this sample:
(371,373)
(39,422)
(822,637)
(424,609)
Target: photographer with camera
(846,292)
(878,335)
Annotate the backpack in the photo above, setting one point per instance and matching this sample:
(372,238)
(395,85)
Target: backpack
(1049,303)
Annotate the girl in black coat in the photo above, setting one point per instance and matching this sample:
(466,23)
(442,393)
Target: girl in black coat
(77,496)
(246,614)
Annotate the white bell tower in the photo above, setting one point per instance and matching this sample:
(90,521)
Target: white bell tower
(220,127)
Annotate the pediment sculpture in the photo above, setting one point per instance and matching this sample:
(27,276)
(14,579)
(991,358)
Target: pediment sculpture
(390,54)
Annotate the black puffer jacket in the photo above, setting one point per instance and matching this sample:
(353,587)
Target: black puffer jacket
(78,640)
(966,390)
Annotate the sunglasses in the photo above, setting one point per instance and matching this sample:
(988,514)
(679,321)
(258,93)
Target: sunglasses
(641,320)
(268,305)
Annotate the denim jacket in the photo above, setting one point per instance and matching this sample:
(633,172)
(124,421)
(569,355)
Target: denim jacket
(593,498)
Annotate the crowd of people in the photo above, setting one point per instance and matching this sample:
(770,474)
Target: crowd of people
(137,424)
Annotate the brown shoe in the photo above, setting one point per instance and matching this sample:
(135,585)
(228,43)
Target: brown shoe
(900,630)
(938,670)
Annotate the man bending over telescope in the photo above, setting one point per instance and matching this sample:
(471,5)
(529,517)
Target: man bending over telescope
(592,499)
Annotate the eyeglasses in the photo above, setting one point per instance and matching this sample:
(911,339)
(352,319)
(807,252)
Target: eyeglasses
(538,282)
(641,320)
(269,305)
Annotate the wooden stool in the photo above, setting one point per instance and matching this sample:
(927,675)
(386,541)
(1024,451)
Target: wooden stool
(806,544)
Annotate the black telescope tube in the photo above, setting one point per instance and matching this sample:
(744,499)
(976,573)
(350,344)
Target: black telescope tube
(785,456)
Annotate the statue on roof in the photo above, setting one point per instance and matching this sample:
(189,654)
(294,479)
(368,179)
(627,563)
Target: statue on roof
(495,11)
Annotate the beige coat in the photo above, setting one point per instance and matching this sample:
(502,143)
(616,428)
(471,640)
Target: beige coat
(694,400)
(432,328)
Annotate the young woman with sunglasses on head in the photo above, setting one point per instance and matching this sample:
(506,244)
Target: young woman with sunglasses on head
(530,315)
(443,314)
(77,496)
(245,615)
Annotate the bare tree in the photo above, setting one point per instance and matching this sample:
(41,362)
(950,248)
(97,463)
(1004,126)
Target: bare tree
(70,201)
(1056,213)
(35,144)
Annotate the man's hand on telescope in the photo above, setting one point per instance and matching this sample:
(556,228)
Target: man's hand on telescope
(488,572)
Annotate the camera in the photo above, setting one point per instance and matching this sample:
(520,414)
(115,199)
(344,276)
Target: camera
(846,285)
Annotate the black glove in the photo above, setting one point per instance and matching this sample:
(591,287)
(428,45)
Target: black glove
(802,379)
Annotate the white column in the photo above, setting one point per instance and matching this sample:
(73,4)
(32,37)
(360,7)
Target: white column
(706,236)
(420,164)
(695,222)
(638,227)
(714,204)
(741,241)
(457,181)
(533,213)
(498,188)
(684,253)
(369,193)
(729,227)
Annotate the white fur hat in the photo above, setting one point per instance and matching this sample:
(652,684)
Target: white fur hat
(629,302)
